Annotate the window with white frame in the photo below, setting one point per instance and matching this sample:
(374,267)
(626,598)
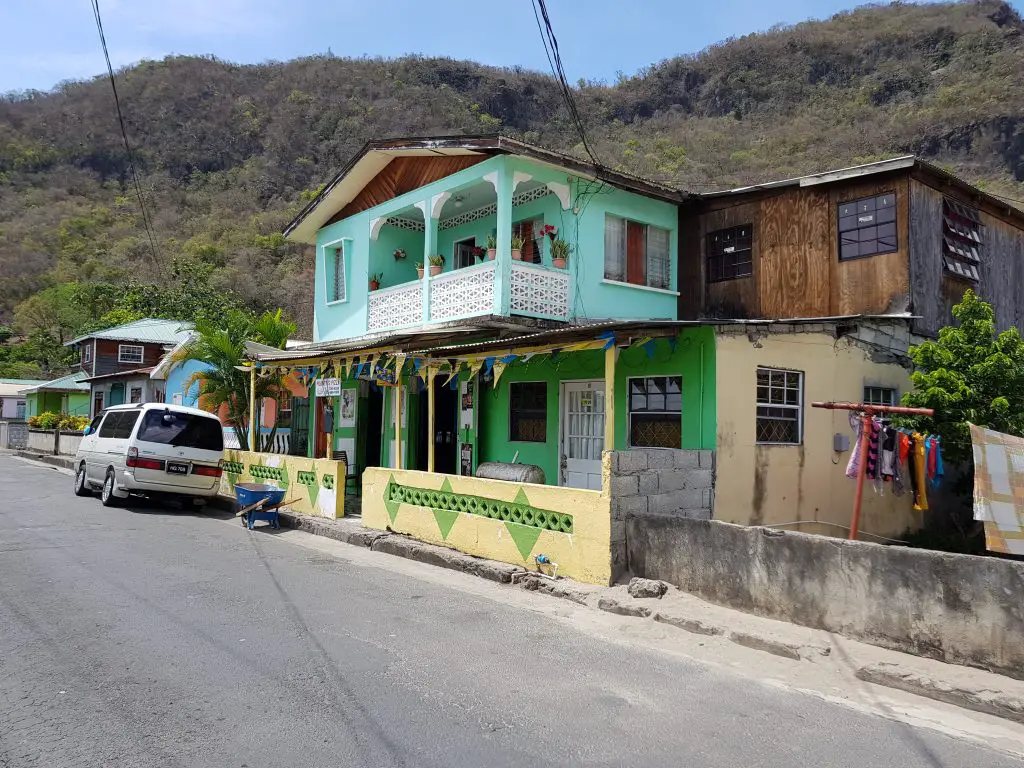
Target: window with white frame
(87,353)
(879,396)
(780,397)
(656,412)
(336,290)
(129,353)
(637,253)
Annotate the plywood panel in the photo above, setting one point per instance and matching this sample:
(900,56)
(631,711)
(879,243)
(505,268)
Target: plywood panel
(793,280)
(873,284)
(925,259)
(1002,271)
(404,174)
(732,298)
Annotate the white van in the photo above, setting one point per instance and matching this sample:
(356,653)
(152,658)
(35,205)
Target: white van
(153,449)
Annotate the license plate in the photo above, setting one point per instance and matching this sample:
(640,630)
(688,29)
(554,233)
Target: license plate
(177,468)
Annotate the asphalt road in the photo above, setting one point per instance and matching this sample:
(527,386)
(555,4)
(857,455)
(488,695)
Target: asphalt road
(149,637)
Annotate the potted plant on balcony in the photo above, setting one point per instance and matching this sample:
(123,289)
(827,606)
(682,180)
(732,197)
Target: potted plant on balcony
(375,279)
(436,265)
(419,270)
(517,248)
(478,252)
(559,253)
(492,247)
(399,254)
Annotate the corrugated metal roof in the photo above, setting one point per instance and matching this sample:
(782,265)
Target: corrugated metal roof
(146,330)
(119,374)
(73,382)
(12,387)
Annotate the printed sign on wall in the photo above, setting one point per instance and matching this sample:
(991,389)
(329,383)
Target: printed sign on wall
(328,387)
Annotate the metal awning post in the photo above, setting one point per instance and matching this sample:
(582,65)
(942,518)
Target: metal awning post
(868,412)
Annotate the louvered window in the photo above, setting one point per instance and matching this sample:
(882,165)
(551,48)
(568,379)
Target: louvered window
(961,240)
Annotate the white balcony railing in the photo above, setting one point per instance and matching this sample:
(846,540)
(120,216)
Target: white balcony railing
(539,292)
(469,292)
(462,293)
(396,307)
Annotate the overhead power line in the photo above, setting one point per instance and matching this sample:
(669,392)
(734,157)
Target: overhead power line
(550,42)
(124,133)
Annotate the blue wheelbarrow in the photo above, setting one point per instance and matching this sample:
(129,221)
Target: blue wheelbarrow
(258,501)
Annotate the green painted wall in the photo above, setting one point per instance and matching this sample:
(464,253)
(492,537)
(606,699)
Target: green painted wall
(43,402)
(693,358)
(382,256)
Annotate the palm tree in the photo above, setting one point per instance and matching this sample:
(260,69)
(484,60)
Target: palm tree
(225,382)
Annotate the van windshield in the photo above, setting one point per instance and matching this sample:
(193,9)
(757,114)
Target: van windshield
(184,430)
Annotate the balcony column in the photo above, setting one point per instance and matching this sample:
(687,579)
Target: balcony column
(502,181)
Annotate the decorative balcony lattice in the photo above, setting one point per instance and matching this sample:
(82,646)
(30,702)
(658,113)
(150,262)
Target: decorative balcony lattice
(462,293)
(395,307)
(541,292)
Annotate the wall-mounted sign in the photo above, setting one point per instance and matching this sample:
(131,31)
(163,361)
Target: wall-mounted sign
(328,387)
(466,455)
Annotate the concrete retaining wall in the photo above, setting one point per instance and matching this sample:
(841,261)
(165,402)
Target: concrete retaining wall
(657,481)
(13,435)
(314,486)
(957,608)
(42,441)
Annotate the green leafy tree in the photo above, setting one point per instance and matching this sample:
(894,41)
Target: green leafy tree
(970,375)
(225,382)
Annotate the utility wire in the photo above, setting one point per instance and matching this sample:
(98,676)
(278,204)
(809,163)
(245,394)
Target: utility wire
(124,133)
(550,41)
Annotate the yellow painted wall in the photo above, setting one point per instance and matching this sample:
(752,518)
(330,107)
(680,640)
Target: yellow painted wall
(322,497)
(584,555)
(768,484)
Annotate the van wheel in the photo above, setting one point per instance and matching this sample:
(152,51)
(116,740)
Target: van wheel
(107,497)
(81,489)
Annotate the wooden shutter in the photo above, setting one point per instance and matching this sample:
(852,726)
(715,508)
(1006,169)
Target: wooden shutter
(636,253)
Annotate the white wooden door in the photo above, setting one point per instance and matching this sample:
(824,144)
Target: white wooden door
(582,434)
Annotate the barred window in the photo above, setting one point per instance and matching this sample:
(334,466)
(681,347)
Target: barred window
(779,406)
(867,226)
(730,253)
(879,396)
(656,412)
(528,412)
(961,240)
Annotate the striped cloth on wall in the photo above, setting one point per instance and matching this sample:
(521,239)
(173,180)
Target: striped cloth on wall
(999,489)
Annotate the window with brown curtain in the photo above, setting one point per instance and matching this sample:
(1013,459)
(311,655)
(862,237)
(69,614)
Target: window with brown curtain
(637,253)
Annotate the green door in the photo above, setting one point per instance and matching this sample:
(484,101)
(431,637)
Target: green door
(116,394)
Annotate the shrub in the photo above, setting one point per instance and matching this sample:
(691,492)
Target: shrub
(73,423)
(47,420)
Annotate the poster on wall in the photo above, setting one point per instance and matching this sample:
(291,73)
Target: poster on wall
(466,419)
(347,417)
(328,387)
(466,454)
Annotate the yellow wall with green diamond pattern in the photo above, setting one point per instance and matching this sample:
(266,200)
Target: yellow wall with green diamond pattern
(315,486)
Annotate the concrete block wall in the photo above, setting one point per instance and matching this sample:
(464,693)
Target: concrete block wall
(658,481)
(13,434)
(959,609)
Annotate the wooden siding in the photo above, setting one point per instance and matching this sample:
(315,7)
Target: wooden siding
(105,360)
(935,292)
(872,284)
(737,298)
(691,263)
(795,254)
(404,174)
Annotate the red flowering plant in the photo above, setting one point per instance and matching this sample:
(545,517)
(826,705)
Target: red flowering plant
(550,230)
(478,252)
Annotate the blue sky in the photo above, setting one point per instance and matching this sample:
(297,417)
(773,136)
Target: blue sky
(46,41)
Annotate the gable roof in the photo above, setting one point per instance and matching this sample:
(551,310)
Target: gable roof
(73,382)
(133,373)
(148,330)
(13,387)
(375,156)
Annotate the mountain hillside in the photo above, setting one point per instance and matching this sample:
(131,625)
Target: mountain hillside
(228,153)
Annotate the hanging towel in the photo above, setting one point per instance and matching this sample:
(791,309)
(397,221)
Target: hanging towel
(940,471)
(917,473)
(853,467)
(889,448)
(904,440)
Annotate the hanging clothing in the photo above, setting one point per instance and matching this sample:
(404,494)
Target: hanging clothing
(853,466)
(889,448)
(873,457)
(940,471)
(918,471)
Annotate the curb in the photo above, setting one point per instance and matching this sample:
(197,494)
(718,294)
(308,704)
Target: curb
(978,699)
(64,462)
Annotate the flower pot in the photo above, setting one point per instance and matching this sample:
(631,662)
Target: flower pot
(558,263)
(491,253)
(419,273)
(435,269)
(517,254)
(374,285)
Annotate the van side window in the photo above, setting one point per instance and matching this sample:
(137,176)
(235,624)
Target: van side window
(110,423)
(126,424)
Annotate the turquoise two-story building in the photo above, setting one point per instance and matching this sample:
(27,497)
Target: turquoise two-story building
(484,300)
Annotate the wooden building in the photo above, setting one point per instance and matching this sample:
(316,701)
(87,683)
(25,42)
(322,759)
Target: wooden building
(896,236)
